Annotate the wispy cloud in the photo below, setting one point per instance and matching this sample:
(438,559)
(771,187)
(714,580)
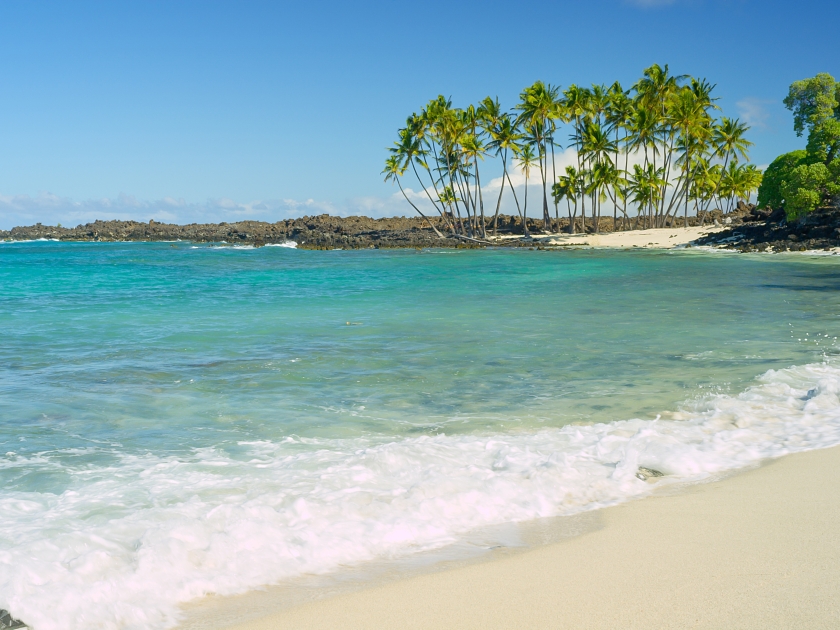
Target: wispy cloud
(754,112)
(51,209)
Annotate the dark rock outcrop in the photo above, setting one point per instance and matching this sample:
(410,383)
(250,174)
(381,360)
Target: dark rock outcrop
(763,230)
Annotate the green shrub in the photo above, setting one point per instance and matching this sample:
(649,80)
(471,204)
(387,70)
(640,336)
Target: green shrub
(770,191)
(809,185)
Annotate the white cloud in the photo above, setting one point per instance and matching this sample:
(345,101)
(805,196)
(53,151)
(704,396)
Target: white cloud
(51,209)
(753,111)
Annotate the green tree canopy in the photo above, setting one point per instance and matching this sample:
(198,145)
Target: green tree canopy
(815,104)
(770,193)
(808,185)
(801,181)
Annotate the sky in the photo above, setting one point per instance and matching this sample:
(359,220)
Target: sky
(222,111)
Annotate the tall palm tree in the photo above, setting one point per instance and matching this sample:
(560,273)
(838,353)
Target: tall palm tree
(474,150)
(596,146)
(506,138)
(619,113)
(410,151)
(575,102)
(666,122)
(728,138)
(394,169)
(538,104)
(526,157)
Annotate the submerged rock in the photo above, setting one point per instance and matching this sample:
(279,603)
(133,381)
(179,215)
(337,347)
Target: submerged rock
(647,473)
(7,622)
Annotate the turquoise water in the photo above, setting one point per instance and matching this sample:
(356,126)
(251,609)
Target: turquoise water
(239,416)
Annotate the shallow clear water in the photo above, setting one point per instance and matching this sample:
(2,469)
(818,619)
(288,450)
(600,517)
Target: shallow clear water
(177,420)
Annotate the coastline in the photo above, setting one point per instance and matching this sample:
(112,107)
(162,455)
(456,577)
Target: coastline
(746,229)
(758,549)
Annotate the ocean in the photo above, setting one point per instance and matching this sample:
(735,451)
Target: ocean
(178,419)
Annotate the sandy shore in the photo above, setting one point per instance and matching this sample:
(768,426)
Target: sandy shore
(760,549)
(654,238)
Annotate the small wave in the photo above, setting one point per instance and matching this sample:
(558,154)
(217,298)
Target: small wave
(31,240)
(289,244)
(128,543)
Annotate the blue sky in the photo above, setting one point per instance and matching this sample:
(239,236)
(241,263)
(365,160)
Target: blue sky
(192,111)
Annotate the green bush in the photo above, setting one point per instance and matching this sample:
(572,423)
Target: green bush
(809,185)
(770,191)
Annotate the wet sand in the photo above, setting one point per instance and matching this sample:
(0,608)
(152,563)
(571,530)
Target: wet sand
(760,549)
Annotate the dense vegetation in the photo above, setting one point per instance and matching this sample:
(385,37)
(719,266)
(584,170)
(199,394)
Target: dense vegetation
(803,180)
(652,152)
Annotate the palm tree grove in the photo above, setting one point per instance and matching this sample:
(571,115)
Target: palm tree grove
(649,156)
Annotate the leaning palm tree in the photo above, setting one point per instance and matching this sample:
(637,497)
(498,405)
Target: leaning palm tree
(394,169)
(665,122)
(411,152)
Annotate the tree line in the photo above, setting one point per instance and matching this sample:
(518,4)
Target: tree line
(653,151)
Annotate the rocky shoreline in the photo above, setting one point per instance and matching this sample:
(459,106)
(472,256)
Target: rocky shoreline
(748,229)
(754,230)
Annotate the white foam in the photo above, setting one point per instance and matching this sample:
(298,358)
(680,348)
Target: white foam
(31,240)
(289,244)
(126,544)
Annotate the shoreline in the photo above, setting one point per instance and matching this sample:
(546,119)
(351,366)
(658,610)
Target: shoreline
(746,230)
(757,548)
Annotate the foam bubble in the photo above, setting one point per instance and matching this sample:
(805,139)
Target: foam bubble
(125,544)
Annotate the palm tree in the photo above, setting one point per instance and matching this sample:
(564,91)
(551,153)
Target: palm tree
(526,159)
(619,113)
(575,102)
(538,104)
(644,132)
(394,169)
(596,146)
(688,156)
(410,151)
(645,186)
(474,149)
(568,186)
(505,138)
(728,138)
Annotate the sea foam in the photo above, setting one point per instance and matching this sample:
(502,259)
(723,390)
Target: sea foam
(126,544)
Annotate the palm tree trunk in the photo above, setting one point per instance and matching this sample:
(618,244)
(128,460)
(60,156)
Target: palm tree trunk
(501,190)
(480,201)
(516,199)
(525,212)
(554,181)
(426,190)
(431,225)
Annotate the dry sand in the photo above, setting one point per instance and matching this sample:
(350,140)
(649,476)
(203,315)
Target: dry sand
(760,549)
(654,238)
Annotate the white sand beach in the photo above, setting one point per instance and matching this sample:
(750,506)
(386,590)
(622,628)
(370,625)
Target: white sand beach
(760,549)
(655,238)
